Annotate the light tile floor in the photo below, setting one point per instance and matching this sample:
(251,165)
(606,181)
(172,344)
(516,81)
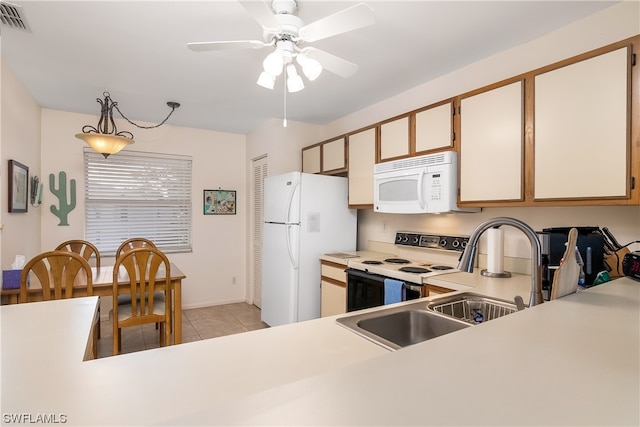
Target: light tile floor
(197,324)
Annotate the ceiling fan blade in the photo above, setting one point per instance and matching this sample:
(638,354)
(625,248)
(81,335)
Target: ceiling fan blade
(223,45)
(332,63)
(262,13)
(349,19)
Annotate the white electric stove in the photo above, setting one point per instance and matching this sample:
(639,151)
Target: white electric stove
(449,249)
(367,277)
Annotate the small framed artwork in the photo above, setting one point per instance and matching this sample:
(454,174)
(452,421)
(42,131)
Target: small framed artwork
(18,186)
(219,202)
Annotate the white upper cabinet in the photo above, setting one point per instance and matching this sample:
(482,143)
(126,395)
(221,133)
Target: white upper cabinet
(394,139)
(333,155)
(491,145)
(362,157)
(311,159)
(581,133)
(434,128)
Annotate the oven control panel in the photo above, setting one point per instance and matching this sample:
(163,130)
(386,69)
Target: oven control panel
(431,241)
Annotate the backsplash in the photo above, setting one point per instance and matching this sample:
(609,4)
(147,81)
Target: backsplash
(623,221)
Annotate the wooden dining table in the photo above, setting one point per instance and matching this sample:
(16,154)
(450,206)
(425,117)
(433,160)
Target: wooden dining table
(103,287)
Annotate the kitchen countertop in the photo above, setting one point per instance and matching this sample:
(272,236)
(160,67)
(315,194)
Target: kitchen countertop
(344,257)
(504,288)
(570,361)
(573,361)
(42,370)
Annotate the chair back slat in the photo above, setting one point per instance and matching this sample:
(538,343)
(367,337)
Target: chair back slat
(133,243)
(82,247)
(57,272)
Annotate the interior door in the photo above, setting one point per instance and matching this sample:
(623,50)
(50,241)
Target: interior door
(257,205)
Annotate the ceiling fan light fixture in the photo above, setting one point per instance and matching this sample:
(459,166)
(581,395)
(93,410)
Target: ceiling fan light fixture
(294,81)
(310,67)
(273,63)
(266,80)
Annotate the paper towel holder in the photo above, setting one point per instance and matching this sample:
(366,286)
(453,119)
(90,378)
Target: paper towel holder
(495,248)
(504,274)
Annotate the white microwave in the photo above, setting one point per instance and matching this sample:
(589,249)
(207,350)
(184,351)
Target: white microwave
(424,184)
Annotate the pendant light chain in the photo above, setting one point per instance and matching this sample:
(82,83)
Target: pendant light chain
(284,122)
(171,104)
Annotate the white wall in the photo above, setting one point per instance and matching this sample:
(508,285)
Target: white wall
(611,25)
(218,162)
(21,142)
(282,145)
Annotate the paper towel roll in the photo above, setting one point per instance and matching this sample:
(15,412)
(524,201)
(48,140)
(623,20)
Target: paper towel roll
(495,250)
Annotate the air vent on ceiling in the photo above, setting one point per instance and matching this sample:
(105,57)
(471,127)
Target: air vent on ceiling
(11,16)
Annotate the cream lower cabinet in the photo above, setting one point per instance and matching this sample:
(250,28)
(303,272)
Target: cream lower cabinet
(433,290)
(362,158)
(333,289)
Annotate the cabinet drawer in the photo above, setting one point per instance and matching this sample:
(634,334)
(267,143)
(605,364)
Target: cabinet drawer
(437,290)
(335,272)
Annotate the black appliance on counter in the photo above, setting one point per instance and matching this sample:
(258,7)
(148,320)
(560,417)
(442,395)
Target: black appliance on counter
(590,245)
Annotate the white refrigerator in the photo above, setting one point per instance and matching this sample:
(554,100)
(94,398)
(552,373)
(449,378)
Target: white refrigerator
(305,216)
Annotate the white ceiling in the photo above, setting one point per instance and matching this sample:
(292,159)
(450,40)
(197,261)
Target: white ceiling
(137,51)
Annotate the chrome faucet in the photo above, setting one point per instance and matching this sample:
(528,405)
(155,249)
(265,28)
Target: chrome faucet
(466,259)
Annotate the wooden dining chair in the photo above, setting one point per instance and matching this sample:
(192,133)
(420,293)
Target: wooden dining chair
(82,247)
(57,272)
(140,267)
(133,243)
(88,250)
(129,245)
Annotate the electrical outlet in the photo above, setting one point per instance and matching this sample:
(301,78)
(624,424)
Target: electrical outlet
(385,226)
(233,280)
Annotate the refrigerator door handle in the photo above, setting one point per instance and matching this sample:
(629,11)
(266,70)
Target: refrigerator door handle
(294,262)
(290,201)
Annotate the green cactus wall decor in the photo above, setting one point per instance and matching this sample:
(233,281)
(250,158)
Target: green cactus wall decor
(61,193)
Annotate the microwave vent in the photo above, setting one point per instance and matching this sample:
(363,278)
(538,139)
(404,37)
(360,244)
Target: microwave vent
(413,162)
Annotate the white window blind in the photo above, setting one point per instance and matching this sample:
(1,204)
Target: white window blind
(134,194)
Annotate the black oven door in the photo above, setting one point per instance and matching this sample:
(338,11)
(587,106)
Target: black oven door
(366,290)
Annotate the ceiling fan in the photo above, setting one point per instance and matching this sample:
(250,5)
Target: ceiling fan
(288,34)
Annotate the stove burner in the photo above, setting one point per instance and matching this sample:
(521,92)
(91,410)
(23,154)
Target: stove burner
(414,270)
(397,261)
(441,267)
(370,261)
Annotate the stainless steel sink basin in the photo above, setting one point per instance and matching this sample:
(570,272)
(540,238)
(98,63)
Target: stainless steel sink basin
(472,308)
(398,327)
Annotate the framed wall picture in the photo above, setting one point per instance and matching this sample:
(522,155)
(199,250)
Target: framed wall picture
(219,202)
(18,186)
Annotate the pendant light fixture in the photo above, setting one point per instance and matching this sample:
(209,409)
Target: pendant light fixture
(105,137)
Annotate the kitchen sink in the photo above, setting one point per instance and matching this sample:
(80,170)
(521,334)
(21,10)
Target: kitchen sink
(398,327)
(472,308)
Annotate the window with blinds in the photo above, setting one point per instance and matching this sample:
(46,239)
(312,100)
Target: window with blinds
(134,194)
